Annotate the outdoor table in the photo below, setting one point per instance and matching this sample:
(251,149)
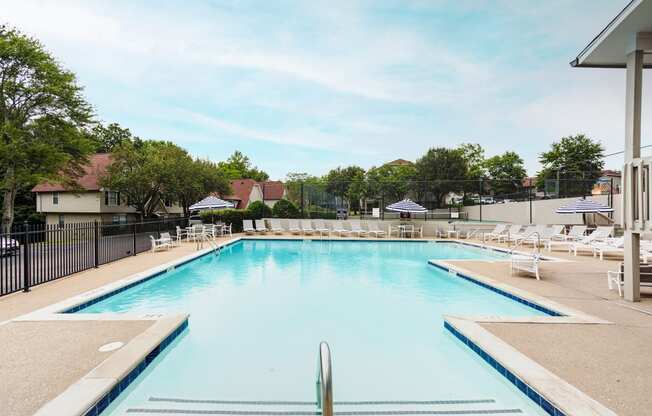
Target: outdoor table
(405,229)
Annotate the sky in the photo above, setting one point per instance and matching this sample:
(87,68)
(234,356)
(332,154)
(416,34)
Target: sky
(305,86)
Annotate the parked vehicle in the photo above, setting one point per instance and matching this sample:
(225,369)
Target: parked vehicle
(194,219)
(488,200)
(8,246)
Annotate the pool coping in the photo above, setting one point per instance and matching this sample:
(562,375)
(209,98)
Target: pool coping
(89,391)
(553,394)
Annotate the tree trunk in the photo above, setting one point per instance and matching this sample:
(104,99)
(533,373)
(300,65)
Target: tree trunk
(8,209)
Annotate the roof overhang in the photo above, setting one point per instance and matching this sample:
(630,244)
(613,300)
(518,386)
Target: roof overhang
(630,30)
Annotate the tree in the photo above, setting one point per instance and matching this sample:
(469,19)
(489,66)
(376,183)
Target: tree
(296,182)
(285,209)
(193,180)
(506,172)
(109,138)
(442,171)
(238,166)
(577,161)
(339,181)
(473,153)
(388,182)
(258,210)
(43,120)
(145,175)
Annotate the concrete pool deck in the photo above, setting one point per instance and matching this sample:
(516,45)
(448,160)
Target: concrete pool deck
(607,362)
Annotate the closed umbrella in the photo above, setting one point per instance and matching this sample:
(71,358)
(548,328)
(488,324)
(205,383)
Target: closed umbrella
(406,205)
(584,206)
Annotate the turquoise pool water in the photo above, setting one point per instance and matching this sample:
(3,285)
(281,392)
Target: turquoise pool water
(260,309)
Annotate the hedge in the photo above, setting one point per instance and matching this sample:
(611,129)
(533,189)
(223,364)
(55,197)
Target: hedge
(285,209)
(258,210)
(227,216)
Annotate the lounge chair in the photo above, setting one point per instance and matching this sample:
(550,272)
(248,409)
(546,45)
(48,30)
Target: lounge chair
(356,228)
(261,227)
(374,229)
(294,227)
(306,227)
(544,236)
(513,230)
(248,227)
(525,263)
(576,232)
(276,226)
(322,228)
(338,228)
(495,234)
(616,277)
(161,243)
(527,233)
(599,234)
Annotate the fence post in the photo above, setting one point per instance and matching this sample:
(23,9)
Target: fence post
(26,259)
(480,196)
(529,196)
(134,238)
(302,215)
(96,237)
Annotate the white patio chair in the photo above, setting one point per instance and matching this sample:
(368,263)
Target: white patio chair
(161,243)
(294,227)
(181,233)
(356,228)
(322,228)
(525,263)
(496,233)
(261,227)
(248,227)
(306,227)
(512,230)
(338,228)
(276,226)
(375,230)
(586,244)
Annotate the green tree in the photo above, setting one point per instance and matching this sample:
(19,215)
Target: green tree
(238,166)
(473,153)
(577,161)
(285,209)
(145,175)
(258,210)
(442,171)
(506,172)
(311,185)
(193,180)
(390,183)
(110,137)
(339,183)
(43,120)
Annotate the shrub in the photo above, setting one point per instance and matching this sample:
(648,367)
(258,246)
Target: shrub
(258,210)
(285,209)
(227,216)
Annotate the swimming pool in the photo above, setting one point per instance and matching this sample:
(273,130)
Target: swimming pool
(259,310)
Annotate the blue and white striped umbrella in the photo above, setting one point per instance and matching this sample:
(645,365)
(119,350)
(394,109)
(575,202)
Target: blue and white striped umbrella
(211,202)
(405,205)
(583,206)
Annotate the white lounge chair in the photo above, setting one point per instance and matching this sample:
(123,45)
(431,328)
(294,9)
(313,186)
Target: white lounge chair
(513,230)
(248,227)
(577,232)
(527,233)
(276,227)
(306,227)
(526,263)
(261,227)
(544,236)
(375,230)
(599,234)
(322,228)
(294,227)
(356,228)
(163,243)
(495,234)
(338,228)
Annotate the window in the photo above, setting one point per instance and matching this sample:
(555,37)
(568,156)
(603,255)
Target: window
(111,198)
(61,220)
(55,198)
(119,219)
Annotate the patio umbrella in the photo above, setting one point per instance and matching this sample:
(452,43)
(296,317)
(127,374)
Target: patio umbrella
(583,206)
(406,205)
(210,202)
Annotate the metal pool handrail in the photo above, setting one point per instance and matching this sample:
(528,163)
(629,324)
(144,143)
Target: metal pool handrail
(324,380)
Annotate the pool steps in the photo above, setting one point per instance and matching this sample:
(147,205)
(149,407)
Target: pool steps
(187,406)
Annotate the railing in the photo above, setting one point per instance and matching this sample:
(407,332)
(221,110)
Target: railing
(37,253)
(324,380)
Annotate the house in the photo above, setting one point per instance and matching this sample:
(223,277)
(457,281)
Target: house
(246,191)
(90,202)
(608,183)
(399,162)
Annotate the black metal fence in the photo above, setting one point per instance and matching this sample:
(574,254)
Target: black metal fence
(37,253)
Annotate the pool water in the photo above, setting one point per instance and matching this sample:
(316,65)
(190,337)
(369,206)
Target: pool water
(259,310)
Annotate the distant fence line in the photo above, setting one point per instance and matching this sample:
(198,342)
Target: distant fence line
(37,253)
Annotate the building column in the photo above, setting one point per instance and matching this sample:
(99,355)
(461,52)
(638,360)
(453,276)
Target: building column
(634,83)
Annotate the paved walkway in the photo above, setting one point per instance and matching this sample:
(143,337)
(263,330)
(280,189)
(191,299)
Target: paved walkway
(611,363)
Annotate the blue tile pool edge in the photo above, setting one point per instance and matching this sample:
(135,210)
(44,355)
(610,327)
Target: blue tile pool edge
(502,292)
(531,393)
(124,383)
(116,291)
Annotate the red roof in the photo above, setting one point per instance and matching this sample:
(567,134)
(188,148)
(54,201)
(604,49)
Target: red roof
(96,167)
(241,191)
(272,190)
